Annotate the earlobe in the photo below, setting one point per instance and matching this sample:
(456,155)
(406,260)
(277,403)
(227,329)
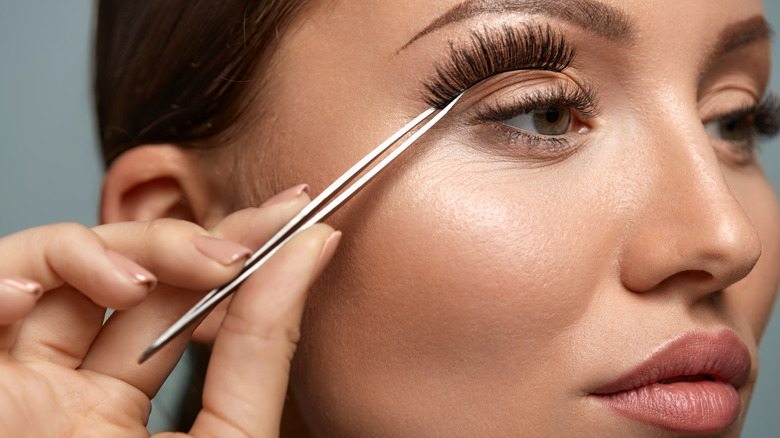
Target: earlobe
(154,181)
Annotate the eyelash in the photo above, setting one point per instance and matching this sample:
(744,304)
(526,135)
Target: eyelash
(491,52)
(582,99)
(765,117)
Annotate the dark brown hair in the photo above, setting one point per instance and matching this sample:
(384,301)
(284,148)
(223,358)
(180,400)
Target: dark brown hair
(184,72)
(181,71)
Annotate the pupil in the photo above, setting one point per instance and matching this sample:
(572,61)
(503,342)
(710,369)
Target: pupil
(552,115)
(731,126)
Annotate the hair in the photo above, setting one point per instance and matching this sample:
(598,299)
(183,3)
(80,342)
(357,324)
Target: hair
(181,71)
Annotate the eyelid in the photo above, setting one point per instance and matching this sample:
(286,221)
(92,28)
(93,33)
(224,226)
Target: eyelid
(765,123)
(766,115)
(580,96)
(487,114)
(523,146)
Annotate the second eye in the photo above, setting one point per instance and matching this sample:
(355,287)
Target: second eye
(552,120)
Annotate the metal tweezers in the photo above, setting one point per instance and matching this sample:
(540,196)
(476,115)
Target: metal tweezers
(316,211)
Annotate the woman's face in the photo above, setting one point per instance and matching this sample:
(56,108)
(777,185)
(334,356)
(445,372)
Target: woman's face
(593,221)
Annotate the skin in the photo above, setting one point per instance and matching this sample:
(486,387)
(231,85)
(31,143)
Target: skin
(65,374)
(481,288)
(480,291)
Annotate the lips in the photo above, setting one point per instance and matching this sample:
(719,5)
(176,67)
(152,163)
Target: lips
(689,385)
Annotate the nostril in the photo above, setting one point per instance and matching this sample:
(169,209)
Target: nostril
(691,276)
(696,275)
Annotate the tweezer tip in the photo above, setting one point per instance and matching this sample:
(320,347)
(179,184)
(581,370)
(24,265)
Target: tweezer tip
(148,353)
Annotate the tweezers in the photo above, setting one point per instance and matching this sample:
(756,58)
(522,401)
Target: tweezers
(316,211)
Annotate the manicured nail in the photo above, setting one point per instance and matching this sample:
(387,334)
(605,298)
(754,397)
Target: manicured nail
(31,287)
(327,252)
(287,195)
(132,270)
(223,251)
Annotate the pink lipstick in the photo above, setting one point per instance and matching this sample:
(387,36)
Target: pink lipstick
(688,385)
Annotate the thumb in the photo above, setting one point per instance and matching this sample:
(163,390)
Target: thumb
(246,381)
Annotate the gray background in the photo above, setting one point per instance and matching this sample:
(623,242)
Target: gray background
(50,172)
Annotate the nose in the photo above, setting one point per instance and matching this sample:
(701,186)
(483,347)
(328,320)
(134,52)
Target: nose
(689,232)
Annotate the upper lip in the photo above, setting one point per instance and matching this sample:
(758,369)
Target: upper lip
(720,356)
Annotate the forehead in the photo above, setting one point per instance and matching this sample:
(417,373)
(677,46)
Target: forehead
(396,22)
(366,42)
(364,38)
(367,61)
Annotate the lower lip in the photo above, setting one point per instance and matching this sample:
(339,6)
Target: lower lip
(689,407)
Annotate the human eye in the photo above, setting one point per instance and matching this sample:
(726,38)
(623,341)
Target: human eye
(536,104)
(543,123)
(551,121)
(743,129)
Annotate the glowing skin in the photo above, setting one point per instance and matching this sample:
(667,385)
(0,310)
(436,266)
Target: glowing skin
(483,288)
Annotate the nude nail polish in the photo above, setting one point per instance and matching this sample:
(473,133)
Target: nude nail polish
(136,273)
(287,195)
(31,287)
(328,249)
(223,251)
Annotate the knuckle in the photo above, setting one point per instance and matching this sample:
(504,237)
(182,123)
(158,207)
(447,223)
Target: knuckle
(163,228)
(159,233)
(71,229)
(259,331)
(158,226)
(69,235)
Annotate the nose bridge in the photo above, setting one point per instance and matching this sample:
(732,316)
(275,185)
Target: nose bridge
(689,220)
(690,185)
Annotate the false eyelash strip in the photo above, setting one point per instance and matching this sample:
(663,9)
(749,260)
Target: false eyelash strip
(493,51)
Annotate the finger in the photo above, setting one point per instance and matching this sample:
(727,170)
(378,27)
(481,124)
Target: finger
(179,253)
(207,330)
(60,328)
(18,296)
(247,377)
(55,254)
(253,227)
(65,335)
(127,334)
(185,255)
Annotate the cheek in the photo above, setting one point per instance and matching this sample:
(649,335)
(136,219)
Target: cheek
(474,257)
(459,274)
(756,292)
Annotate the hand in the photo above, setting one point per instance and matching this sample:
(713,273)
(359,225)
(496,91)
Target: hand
(63,373)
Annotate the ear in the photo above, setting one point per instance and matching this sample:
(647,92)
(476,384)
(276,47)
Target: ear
(157,181)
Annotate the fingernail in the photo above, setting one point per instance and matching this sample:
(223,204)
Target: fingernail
(223,251)
(327,252)
(132,270)
(23,284)
(287,195)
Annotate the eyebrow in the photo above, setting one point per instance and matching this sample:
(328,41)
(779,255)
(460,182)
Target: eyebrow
(603,20)
(736,36)
(740,34)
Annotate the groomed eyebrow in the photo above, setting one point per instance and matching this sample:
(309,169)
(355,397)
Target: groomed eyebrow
(603,20)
